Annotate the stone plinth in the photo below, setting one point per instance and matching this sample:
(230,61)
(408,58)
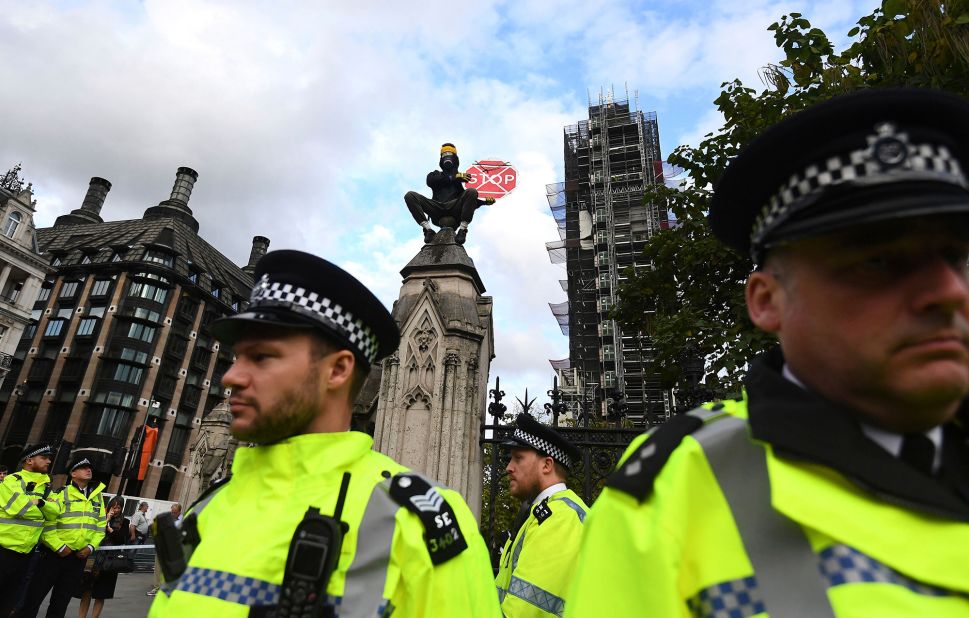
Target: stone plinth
(433,390)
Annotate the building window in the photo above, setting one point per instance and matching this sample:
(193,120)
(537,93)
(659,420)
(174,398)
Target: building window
(217,292)
(29,331)
(193,277)
(96,312)
(141,332)
(87,327)
(44,292)
(56,261)
(118,256)
(128,373)
(86,259)
(134,355)
(54,328)
(100,287)
(13,222)
(159,257)
(146,314)
(148,291)
(69,289)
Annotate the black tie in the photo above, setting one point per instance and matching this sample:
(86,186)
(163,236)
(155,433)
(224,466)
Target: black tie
(918,451)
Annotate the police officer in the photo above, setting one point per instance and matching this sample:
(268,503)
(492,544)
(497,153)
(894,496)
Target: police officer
(24,507)
(67,542)
(538,560)
(312,520)
(839,484)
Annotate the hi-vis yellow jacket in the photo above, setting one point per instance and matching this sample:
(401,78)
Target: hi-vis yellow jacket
(385,563)
(537,565)
(21,521)
(80,520)
(702,520)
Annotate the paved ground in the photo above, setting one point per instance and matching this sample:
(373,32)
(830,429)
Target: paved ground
(129,599)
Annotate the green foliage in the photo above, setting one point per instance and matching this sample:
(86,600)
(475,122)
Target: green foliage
(693,297)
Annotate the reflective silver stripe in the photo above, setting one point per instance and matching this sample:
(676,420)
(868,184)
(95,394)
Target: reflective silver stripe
(22,522)
(90,514)
(501,594)
(532,594)
(575,507)
(78,527)
(363,590)
(518,550)
(15,495)
(784,564)
(227,586)
(24,510)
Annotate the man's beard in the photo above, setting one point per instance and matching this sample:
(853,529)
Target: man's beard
(291,415)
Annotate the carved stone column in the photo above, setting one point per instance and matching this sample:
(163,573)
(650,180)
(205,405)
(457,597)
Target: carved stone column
(432,391)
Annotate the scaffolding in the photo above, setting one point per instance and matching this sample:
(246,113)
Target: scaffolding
(611,159)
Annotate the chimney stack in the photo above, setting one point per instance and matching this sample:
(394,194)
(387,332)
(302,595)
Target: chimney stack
(185,179)
(260,244)
(176,206)
(96,192)
(90,210)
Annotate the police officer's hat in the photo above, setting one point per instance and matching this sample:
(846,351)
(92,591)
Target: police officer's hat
(298,290)
(865,157)
(542,438)
(80,462)
(41,448)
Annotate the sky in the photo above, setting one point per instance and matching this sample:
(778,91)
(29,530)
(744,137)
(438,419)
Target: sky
(308,121)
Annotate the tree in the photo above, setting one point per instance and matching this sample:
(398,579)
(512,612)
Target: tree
(691,302)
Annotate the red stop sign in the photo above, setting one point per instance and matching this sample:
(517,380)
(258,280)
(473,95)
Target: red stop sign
(492,178)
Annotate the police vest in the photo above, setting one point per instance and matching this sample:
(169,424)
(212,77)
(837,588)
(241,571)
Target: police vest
(80,522)
(22,522)
(701,521)
(537,565)
(394,558)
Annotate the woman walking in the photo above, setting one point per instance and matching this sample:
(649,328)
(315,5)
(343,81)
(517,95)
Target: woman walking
(98,583)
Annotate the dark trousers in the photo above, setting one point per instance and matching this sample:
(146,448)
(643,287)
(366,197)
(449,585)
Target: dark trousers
(63,575)
(442,214)
(13,566)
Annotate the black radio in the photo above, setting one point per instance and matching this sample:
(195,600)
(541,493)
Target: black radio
(313,556)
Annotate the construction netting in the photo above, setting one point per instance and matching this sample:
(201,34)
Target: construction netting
(561,313)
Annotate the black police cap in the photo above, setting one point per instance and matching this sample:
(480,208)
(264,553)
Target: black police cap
(860,158)
(298,290)
(542,438)
(80,462)
(41,448)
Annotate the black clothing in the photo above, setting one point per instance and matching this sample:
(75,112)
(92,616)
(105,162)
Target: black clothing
(803,425)
(101,585)
(444,186)
(443,214)
(13,566)
(59,576)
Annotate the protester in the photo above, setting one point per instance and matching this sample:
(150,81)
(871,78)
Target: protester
(838,485)
(99,583)
(538,559)
(368,537)
(24,508)
(141,523)
(67,542)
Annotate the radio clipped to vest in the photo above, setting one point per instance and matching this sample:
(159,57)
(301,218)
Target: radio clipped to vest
(313,556)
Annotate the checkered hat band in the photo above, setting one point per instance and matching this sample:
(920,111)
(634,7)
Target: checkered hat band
(859,167)
(82,463)
(44,450)
(324,310)
(543,445)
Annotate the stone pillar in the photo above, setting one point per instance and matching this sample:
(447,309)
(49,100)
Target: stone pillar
(433,389)
(211,455)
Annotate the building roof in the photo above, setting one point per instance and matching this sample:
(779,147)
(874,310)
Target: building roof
(71,242)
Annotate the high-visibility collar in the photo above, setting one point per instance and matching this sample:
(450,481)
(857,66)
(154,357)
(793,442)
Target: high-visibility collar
(304,454)
(33,477)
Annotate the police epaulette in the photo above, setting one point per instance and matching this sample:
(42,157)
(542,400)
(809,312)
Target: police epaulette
(637,474)
(441,532)
(542,511)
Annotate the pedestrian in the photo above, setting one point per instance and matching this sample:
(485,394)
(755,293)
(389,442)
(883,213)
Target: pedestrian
(339,525)
(67,542)
(99,583)
(24,508)
(839,484)
(3,472)
(539,557)
(177,513)
(141,523)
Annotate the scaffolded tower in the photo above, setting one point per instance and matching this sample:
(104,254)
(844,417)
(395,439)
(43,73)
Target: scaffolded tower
(603,223)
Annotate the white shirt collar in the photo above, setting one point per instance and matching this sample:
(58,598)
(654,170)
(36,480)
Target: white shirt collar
(548,491)
(888,440)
